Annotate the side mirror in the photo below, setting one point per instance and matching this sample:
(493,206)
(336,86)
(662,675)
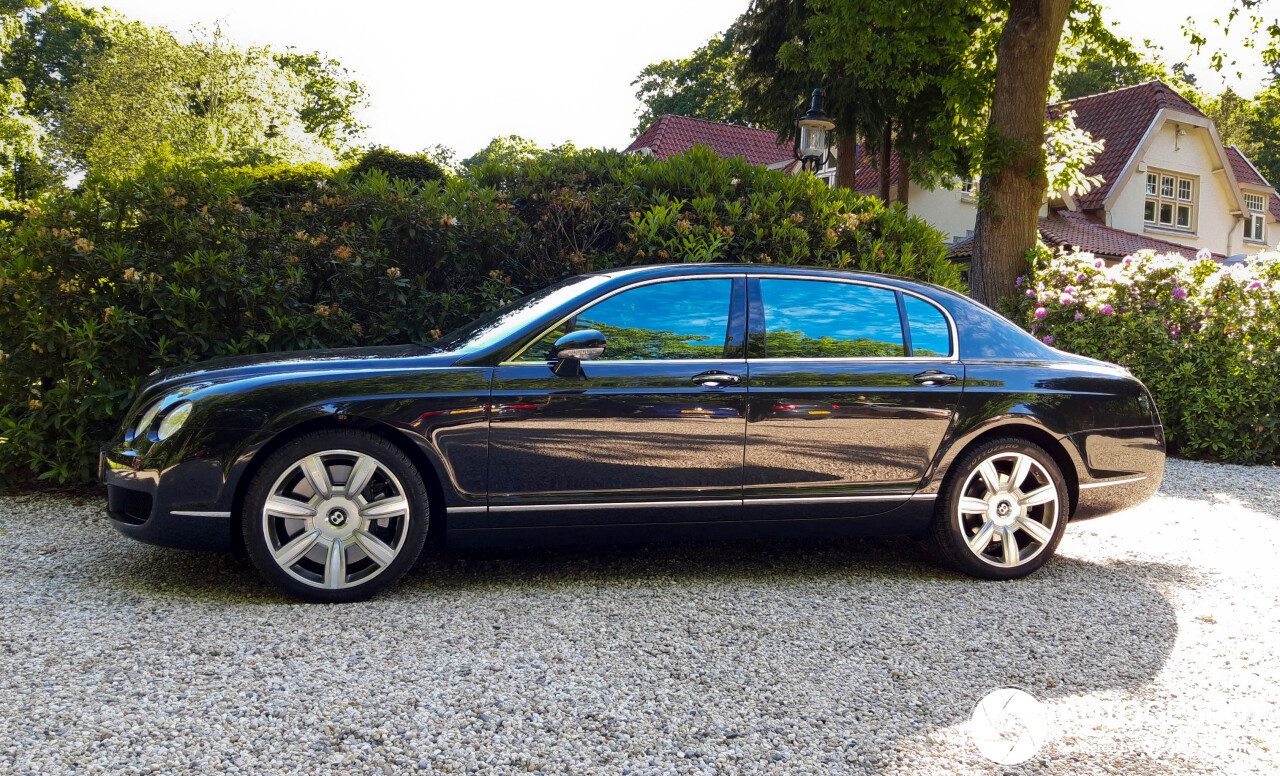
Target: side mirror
(572,349)
(583,345)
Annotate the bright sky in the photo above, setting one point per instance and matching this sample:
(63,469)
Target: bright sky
(460,73)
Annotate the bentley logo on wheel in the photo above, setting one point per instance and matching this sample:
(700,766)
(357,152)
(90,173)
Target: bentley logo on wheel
(337,517)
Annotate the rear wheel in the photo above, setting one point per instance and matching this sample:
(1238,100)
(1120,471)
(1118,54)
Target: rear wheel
(1003,510)
(336,516)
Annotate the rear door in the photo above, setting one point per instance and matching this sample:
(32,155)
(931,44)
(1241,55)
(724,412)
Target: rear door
(853,390)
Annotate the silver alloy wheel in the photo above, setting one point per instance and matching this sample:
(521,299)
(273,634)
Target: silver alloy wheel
(1008,509)
(336,519)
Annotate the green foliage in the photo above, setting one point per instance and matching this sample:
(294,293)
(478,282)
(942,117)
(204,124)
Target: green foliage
(700,85)
(333,97)
(1203,337)
(512,149)
(409,167)
(177,265)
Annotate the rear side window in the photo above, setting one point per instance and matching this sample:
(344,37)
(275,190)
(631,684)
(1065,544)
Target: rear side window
(686,319)
(930,334)
(820,319)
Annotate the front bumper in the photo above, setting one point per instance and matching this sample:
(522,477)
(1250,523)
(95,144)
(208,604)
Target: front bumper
(177,506)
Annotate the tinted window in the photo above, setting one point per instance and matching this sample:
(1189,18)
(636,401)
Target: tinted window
(493,327)
(816,319)
(930,335)
(677,319)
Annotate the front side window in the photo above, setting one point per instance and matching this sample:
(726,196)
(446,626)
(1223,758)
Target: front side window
(684,319)
(821,319)
(1171,201)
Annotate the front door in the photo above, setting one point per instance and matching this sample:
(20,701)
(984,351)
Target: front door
(652,429)
(853,389)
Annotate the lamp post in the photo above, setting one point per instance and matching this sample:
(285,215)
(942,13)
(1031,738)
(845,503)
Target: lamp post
(813,135)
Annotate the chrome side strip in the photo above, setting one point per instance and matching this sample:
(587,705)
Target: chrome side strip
(465,510)
(614,505)
(1109,483)
(196,513)
(836,499)
(711,503)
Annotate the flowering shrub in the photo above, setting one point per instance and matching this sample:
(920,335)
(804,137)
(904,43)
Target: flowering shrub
(1204,337)
(178,265)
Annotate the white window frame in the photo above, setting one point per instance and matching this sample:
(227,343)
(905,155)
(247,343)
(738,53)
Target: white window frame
(1255,220)
(1172,199)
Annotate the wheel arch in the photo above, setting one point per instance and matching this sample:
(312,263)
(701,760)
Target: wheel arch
(430,478)
(1035,434)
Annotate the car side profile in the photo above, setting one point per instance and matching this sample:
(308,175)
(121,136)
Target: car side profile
(677,401)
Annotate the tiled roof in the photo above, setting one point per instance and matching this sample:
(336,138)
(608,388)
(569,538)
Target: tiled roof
(671,135)
(1062,228)
(1247,173)
(867,178)
(1243,169)
(1122,118)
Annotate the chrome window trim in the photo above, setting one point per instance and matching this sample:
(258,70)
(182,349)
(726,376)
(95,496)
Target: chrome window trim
(951,357)
(512,361)
(465,510)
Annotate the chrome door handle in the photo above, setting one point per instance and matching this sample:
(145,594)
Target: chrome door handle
(716,378)
(934,377)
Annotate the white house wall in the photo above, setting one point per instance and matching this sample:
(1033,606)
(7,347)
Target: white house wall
(1192,155)
(950,212)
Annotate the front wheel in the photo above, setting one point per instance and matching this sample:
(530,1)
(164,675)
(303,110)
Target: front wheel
(336,516)
(1002,511)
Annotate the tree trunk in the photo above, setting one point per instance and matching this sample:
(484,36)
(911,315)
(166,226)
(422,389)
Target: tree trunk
(886,157)
(1014,186)
(904,178)
(847,161)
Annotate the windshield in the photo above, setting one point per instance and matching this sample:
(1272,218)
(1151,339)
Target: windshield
(494,327)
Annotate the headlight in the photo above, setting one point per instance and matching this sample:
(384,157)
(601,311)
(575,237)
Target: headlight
(148,417)
(174,419)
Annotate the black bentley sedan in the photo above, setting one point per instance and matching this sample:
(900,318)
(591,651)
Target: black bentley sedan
(675,401)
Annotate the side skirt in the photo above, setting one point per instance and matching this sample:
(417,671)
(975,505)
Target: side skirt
(911,519)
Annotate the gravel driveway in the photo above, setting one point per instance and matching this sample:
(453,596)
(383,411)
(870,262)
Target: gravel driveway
(1152,640)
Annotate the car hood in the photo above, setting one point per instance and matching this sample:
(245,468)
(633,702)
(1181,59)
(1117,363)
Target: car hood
(260,364)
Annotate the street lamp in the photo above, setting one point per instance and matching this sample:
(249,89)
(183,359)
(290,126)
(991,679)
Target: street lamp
(813,135)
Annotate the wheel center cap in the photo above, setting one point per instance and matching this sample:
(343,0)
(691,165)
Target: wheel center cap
(1004,512)
(337,517)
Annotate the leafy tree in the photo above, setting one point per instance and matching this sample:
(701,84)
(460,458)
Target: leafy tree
(1094,72)
(513,149)
(333,97)
(700,85)
(1263,127)
(149,96)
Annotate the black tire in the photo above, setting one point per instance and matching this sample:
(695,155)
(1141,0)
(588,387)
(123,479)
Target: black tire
(952,531)
(397,539)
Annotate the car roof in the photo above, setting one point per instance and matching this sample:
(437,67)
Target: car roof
(682,268)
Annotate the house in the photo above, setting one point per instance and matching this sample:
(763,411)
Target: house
(1168,183)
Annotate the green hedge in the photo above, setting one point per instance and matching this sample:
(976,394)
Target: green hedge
(411,167)
(1205,338)
(179,265)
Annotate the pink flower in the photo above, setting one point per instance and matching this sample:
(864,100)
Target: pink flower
(1048,339)
(1180,293)
(1255,284)
(1099,263)
(1079,316)
(1065,299)
(1081,278)
(1203,255)
(1030,292)
(1041,312)
(1107,309)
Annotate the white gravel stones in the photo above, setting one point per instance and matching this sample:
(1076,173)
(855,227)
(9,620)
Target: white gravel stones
(1152,639)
